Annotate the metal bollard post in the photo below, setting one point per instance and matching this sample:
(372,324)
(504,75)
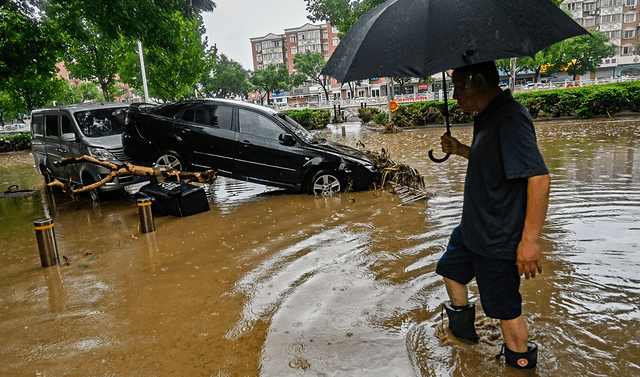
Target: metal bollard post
(146,215)
(344,130)
(46,242)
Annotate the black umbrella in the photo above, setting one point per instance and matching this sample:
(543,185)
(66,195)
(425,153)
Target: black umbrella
(417,38)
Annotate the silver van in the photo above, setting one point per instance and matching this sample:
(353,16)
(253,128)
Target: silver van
(74,130)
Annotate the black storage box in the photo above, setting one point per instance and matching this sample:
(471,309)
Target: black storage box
(176,198)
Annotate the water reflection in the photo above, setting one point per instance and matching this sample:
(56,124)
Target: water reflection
(276,284)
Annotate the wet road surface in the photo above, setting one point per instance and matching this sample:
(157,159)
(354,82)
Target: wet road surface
(271,283)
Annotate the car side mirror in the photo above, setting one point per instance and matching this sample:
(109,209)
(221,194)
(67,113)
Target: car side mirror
(70,136)
(286,139)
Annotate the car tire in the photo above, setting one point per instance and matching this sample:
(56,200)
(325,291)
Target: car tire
(324,182)
(170,161)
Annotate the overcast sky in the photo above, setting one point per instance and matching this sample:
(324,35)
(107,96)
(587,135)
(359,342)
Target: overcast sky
(234,22)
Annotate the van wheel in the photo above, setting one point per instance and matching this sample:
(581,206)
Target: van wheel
(170,161)
(94,194)
(324,182)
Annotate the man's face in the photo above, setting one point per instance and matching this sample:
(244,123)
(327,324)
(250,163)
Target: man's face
(468,97)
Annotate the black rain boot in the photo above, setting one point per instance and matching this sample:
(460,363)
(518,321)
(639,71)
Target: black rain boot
(520,360)
(461,321)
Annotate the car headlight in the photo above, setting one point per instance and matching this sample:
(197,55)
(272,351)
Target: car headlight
(101,154)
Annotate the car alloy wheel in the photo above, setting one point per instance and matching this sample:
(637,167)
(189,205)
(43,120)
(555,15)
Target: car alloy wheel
(325,183)
(169,161)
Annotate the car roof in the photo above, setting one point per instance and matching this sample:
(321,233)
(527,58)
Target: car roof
(229,102)
(85,106)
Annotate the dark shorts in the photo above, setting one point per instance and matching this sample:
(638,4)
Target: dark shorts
(498,280)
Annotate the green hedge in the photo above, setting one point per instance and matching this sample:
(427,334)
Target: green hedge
(15,143)
(582,102)
(311,119)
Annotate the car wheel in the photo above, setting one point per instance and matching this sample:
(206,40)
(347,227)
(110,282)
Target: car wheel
(170,161)
(325,183)
(94,194)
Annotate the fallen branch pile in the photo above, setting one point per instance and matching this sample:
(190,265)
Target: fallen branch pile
(126,168)
(395,172)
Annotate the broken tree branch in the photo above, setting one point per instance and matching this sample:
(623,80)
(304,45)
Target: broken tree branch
(126,168)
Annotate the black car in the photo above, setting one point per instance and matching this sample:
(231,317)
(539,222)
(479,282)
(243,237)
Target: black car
(243,141)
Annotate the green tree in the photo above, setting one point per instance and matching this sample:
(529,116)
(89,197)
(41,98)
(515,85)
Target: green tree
(340,13)
(29,51)
(580,54)
(273,78)
(171,75)
(227,79)
(309,65)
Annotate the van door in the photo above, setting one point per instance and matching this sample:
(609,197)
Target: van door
(37,141)
(52,145)
(70,146)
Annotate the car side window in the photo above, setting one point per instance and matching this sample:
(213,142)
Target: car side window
(213,115)
(256,124)
(67,127)
(51,126)
(37,125)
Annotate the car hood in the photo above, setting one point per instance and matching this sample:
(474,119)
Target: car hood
(332,146)
(106,142)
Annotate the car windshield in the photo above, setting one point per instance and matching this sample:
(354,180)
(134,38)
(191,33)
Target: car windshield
(102,122)
(310,137)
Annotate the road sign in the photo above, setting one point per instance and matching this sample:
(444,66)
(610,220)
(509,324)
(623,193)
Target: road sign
(393,106)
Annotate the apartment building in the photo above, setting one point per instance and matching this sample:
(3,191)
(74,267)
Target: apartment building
(619,20)
(282,48)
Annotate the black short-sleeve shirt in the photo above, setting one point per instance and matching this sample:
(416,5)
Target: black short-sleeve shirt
(503,154)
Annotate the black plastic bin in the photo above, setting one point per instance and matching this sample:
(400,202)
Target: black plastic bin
(176,198)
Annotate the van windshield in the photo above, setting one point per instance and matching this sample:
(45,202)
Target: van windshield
(102,122)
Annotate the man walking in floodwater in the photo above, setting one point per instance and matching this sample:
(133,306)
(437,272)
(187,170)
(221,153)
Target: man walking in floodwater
(506,195)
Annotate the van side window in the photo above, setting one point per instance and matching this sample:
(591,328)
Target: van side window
(37,124)
(67,127)
(51,126)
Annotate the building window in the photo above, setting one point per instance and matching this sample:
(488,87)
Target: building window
(259,58)
(336,41)
(325,47)
(609,3)
(630,17)
(611,18)
(629,34)
(258,47)
(613,34)
(334,29)
(630,3)
(589,22)
(589,7)
(293,39)
(626,50)
(294,50)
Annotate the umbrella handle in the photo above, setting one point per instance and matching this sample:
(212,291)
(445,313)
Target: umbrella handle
(438,160)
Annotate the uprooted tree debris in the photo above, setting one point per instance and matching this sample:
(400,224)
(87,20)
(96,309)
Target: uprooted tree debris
(126,168)
(395,172)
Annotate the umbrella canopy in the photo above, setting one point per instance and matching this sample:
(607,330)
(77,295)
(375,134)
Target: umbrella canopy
(417,38)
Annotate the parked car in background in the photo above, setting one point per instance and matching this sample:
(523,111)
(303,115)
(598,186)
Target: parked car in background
(244,141)
(93,129)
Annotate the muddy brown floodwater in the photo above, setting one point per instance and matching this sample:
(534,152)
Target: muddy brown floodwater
(269,283)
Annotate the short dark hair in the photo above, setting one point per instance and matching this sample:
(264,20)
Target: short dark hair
(488,70)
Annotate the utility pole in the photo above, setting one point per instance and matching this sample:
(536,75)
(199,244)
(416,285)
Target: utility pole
(512,80)
(144,73)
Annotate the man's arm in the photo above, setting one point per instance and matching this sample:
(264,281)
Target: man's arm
(451,145)
(528,259)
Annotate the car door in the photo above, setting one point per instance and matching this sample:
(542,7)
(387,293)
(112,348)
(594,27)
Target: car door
(261,156)
(52,144)
(206,131)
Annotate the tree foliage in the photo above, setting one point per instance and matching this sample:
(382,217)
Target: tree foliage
(340,13)
(309,65)
(273,78)
(29,51)
(580,54)
(227,79)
